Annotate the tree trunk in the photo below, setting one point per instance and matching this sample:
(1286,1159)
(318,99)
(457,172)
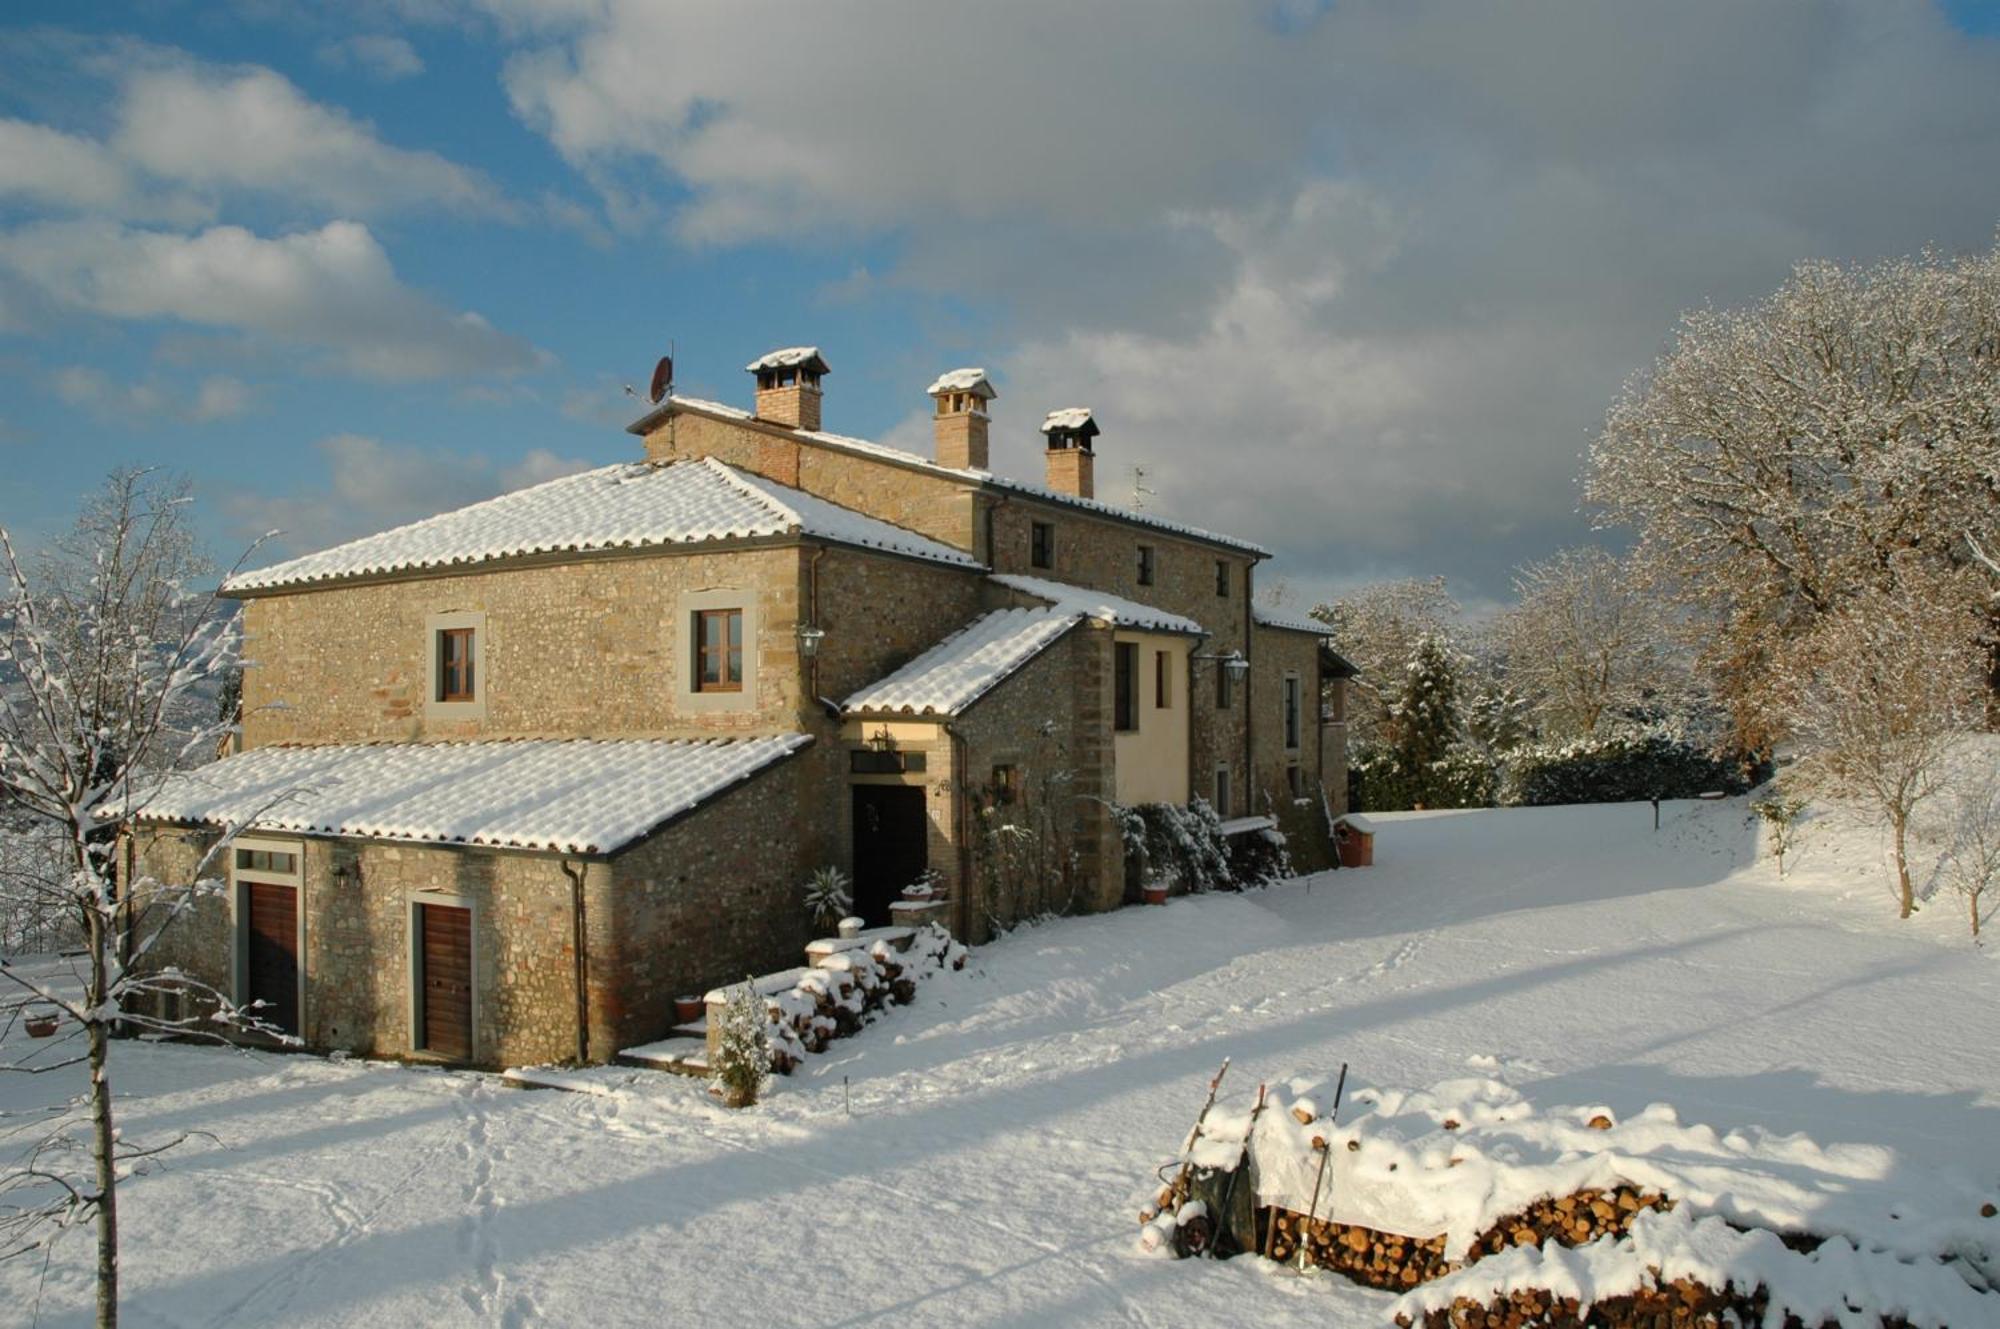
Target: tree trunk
(1905,895)
(1973,900)
(103,1140)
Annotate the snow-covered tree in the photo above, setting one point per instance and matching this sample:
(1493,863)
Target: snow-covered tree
(1424,721)
(743,1049)
(1780,457)
(1378,628)
(108,661)
(1877,694)
(1588,647)
(1972,860)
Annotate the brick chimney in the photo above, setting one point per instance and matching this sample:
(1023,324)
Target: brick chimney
(960,424)
(788,386)
(1070,459)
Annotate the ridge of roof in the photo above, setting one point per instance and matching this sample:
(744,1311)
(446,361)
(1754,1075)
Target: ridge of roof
(1280,619)
(900,456)
(965,665)
(626,505)
(1100,605)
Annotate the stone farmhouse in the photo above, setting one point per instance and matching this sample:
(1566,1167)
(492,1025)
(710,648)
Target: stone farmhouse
(513,778)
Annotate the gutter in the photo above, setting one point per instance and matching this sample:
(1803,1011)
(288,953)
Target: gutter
(582,961)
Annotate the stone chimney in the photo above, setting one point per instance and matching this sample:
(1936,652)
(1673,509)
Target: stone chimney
(1070,458)
(960,424)
(788,386)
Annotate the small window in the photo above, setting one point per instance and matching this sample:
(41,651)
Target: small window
(1042,545)
(1222,791)
(1006,784)
(1125,687)
(455,664)
(1291,710)
(1145,565)
(1225,686)
(718,663)
(266,860)
(1222,578)
(1163,674)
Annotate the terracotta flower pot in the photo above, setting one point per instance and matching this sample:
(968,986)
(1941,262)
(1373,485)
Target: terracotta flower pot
(42,1026)
(1153,894)
(689,1009)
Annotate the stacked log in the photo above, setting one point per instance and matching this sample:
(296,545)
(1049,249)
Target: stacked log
(1396,1263)
(1682,1303)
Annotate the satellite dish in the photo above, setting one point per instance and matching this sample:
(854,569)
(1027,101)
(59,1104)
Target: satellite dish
(663,378)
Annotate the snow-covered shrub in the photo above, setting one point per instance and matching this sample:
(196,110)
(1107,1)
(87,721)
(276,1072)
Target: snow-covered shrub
(827,897)
(1378,780)
(1259,857)
(1781,813)
(1616,768)
(1170,845)
(743,1052)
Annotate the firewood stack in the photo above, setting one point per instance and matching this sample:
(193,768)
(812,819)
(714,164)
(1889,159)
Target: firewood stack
(1682,1303)
(1383,1260)
(834,999)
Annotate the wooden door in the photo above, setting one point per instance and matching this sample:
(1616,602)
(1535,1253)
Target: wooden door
(891,846)
(445,936)
(271,962)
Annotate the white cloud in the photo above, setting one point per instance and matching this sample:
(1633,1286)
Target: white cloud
(252,129)
(380,56)
(331,289)
(373,486)
(138,403)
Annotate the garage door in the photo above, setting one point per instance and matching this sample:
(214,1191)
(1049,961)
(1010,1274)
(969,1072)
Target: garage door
(447,980)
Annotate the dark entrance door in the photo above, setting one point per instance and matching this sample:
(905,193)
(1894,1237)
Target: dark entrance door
(891,846)
(271,962)
(446,940)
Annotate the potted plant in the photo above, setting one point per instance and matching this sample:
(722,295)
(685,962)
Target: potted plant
(1154,892)
(689,1009)
(827,898)
(42,1024)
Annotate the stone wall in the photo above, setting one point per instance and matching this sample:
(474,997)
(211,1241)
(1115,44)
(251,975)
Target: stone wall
(356,900)
(711,898)
(591,647)
(1278,652)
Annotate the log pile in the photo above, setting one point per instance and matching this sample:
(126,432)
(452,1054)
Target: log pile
(1682,1303)
(839,995)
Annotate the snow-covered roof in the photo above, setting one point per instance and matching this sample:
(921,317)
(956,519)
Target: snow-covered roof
(963,380)
(1286,621)
(1070,417)
(790,357)
(968,664)
(866,448)
(578,796)
(1106,608)
(628,506)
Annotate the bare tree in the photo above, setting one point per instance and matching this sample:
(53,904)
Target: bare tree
(1972,861)
(1378,628)
(1780,457)
(108,658)
(1587,645)
(1877,694)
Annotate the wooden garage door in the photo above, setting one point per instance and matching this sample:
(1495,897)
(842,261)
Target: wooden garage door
(447,980)
(272,961)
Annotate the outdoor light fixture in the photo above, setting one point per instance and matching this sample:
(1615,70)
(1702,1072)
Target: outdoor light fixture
(1233,662)
(809,639)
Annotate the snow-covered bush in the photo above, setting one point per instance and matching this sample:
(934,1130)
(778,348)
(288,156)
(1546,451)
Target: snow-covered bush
(1971,864)
(1616,768)
(827,897)
(1782,814)
(1170,845)
(743,1053)
(1259,857)
(1379,781)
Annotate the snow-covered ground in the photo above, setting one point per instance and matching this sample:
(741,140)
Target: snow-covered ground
(981,1156)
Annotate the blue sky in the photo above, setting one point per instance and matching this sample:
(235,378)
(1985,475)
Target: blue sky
(1358,280)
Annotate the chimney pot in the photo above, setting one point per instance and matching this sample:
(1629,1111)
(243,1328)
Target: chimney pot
(1071,462)
(960,424)
(788,391)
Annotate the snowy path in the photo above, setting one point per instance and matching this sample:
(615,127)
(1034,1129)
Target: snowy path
(1004,1130)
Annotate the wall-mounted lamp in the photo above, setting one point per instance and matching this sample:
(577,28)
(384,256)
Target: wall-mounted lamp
(809,640)
(1233,662)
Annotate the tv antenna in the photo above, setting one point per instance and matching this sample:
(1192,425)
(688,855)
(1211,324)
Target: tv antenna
(1139,489)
